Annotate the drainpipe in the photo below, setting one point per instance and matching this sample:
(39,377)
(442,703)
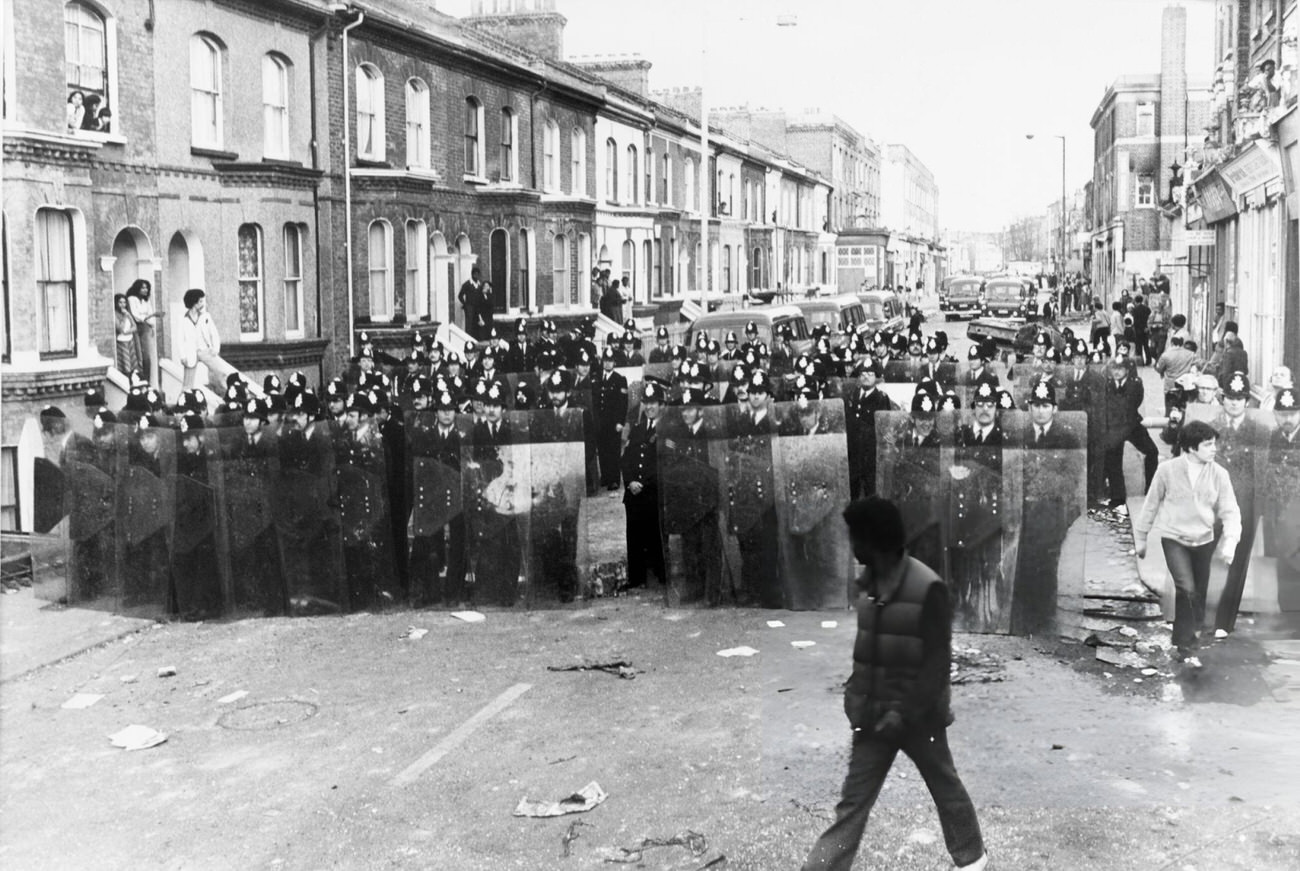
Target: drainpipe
(347,182)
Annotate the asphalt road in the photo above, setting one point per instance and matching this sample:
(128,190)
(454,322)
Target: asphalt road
(357,748)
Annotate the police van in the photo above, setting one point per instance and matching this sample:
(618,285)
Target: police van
(768,318)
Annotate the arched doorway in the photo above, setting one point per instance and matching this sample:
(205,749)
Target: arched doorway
(499,260)
(629,268)
(442,279)
(132,258)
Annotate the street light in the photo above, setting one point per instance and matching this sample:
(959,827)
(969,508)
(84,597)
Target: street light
(705,181)
(1060,262)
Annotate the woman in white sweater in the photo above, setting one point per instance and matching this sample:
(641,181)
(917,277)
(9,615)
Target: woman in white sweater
(1191,497)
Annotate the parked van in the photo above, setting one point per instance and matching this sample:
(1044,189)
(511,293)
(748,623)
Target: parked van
(766,318)
(844,314)
(961,294)
(885,311)
(1008,297)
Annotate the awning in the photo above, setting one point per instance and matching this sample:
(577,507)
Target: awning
(1215,197)
(1258,164)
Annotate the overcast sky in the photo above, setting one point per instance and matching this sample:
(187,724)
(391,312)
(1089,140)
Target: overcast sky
(958,81)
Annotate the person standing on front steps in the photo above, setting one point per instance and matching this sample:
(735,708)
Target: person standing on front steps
(898,696)
(1241,438)
(1195,495)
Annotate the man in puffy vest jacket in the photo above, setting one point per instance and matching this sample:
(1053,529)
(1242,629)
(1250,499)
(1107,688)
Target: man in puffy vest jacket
(898,695)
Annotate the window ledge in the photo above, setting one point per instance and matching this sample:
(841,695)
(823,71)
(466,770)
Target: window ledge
(372,163)
(31,134)
(422,172)
(471,178)
(213,153)
(282,161)
(105,138)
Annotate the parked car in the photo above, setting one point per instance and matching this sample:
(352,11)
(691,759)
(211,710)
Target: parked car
(1007,297)
(885,311)
(767,319)
(961,294)
(844,314)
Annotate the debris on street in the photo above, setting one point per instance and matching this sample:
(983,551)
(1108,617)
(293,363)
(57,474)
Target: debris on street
(414,634)
(579,802)
(1122,657)
(136,737)
(469,616)
(232,697)
(167,671)
(830,624)
(774,624)
(971,665)
(619,668)
(693,841)
(737,651)
(82,700)
(570,836)
(802,644)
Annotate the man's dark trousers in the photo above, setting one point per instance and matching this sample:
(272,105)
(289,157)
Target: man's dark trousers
(869,763)
(1114,462)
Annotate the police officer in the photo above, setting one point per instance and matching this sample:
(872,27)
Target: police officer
(609,404)
(752,508)
(975,521)
(1241,438)
(861,406)
(494,506)
(640,467)
(690,508)
(661,352)
(1282,499)
(437,561)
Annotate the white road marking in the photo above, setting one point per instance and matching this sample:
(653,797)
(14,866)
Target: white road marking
(463,731)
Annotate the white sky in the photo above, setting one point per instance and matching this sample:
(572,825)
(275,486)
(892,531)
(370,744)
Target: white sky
(958,81)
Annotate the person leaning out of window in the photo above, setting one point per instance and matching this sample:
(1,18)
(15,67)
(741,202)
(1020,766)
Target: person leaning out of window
(1190,499)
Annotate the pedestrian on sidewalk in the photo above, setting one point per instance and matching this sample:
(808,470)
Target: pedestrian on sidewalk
(1192,497)
(1123,425)
(898,696)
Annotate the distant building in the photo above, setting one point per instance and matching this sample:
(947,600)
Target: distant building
(909,209)
(1141,130)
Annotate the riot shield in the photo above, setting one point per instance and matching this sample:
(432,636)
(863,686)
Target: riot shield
(811,477)
(911,473)
(751,519)
(1280,510)
(47,492)
(250,472)
(691,455)
(200,549)
(305,505)
(436,527)
(361,476)
(666,372)
(496,466)
(982,527)
(557,476)
(145,508)
(1055,501)
(90,496)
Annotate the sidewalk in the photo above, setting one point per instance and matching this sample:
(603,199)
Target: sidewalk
(35,633)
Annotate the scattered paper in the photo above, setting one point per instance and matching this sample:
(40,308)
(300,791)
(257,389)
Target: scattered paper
(620,668)
(232,697)
(802,644)
(82,700)
(137,737)
(128,678)
(737,651)
(167,671)
(774,624)
(830,624)
(468,616)
(415,634)
(583,800)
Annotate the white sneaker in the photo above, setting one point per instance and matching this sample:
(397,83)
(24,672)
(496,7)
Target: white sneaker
(1192,662)
(1122,510)
(978,865)
(1220,633)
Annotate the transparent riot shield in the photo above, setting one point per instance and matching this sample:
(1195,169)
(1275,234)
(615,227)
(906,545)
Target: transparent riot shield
(691,455)
(1280,509)
(982,526)
(250,474)
(90,476)
(361,475)
(47,491)
(305,505)
(753,555)
(145,508)
(911,473)
(200,547)
(811,476)
(557,475)
(436,529)
(665,372)
(1022,376)
(1253,580)
(496,466)
(1054,487)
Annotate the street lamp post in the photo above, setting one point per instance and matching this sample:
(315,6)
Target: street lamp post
(1060,258)
(707,196)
